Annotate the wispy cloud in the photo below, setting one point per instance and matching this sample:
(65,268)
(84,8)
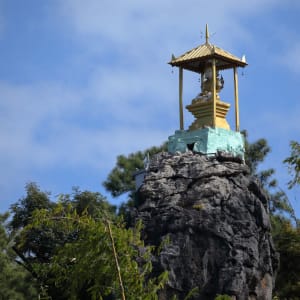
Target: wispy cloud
(47,126)
(153,26)
(127,99)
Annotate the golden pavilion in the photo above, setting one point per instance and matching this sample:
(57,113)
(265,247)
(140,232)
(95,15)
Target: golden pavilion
(210,132)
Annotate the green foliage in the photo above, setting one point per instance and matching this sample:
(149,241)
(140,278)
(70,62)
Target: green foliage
(192,292)
(86,264)
(15,282)
(41,241)
(293,162)
(120,179)
(285,235)
(287,242)
(70,244)
(255,153)
(23,209)
(223,297)
(91,203)
(37,245)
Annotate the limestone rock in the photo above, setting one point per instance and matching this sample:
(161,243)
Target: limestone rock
(215,216)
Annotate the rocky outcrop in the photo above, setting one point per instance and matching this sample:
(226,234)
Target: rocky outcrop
(213,217)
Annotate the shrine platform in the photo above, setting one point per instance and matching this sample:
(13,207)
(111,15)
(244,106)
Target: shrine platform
(208,141)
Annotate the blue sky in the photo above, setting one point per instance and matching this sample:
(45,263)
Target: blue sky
(82,81)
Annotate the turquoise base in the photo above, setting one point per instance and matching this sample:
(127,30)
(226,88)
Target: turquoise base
(208,141)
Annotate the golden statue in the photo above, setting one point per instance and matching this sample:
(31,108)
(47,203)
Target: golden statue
(206,85)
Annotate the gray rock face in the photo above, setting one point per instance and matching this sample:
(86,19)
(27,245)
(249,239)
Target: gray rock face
(216,219)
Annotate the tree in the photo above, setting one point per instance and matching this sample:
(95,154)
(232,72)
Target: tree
(42,241)
(120,180)
(88,202)
(287,238)
(287,242)
(39,244)
(15,282)
(23,209)
(255,154)
(69,243)
(293,162)
(104,260)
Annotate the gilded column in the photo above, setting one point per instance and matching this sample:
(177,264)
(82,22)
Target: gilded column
(180,98)
(236,98)
(214,92)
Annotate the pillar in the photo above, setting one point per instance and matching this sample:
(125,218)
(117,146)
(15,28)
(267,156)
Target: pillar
(236,100)
(214,92)
(180,98)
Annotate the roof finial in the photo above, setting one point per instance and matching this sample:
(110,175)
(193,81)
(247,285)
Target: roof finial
(206,34)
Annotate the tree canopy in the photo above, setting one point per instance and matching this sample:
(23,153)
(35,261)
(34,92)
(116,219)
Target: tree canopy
(79,242)
(287,242)
(293,162)
(15,282)
(120,179)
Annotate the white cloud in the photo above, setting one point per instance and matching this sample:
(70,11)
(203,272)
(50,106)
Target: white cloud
(26,110)
(156,25)
(43,126)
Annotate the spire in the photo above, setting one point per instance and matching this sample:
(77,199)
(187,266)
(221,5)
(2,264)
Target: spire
(206,34)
